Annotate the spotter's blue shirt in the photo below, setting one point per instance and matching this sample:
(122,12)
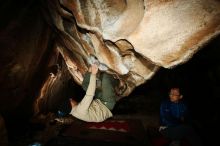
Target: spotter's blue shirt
(171,113)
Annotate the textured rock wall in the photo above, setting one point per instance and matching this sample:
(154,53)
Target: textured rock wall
(133,38)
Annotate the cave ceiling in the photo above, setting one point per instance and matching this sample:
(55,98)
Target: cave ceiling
(134,38)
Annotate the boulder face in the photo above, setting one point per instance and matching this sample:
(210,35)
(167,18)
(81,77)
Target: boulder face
(133,38)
